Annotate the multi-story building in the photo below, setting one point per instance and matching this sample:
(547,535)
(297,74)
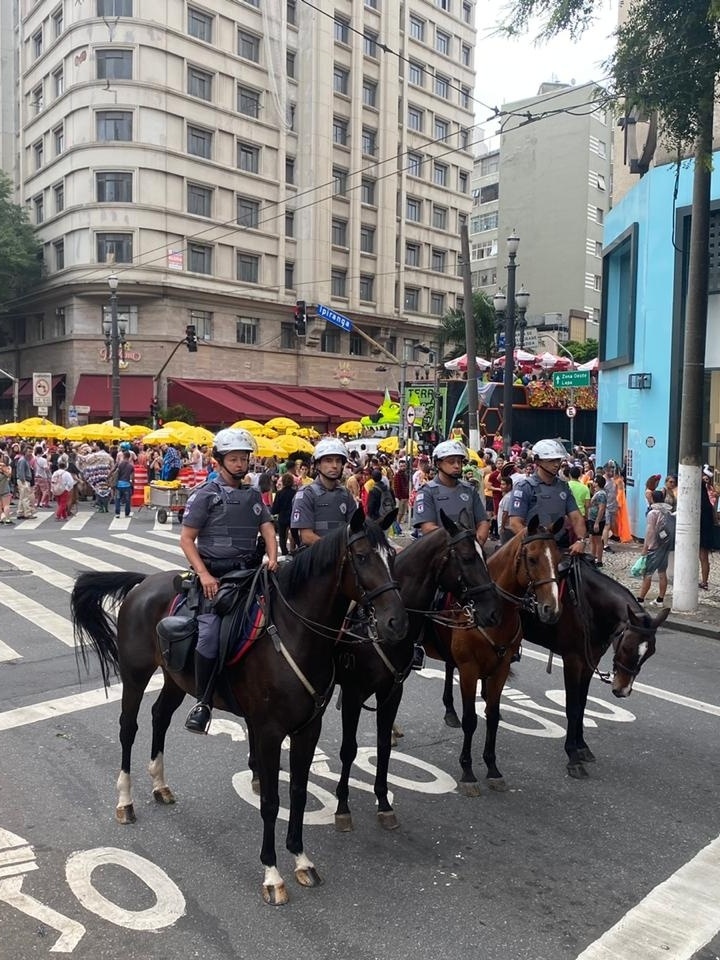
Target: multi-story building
(224,161)
(484,221)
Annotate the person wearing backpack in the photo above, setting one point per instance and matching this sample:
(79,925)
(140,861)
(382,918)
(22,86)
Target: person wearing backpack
(61,485)
(659,541)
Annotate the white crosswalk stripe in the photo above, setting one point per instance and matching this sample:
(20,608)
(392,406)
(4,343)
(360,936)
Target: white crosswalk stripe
(7,653)
(81,559)
(165,547)
(37,614)
(118,548)
(48,574)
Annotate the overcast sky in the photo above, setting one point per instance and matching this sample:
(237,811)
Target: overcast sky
(512,69)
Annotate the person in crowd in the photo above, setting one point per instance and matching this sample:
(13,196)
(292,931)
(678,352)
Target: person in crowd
(503,515)
(124,477)
(580,491)
(670,491)
(401,489)
(195,459)
(5,488)
(707,527)
(596,518)
(97,468)
(61,485)
(611,510)
(354,482)
(655,549)
(651,485)
(282,509)
(492,502)
(325,503)
(25,480)
(171,463)
(42,478)
(374,497)
(155,461)
(449,493)
(219,533)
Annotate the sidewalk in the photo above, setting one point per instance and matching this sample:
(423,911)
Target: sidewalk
(706,622)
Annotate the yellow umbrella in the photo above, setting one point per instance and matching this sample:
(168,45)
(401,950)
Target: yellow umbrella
(202,436)
(267,447)
(282,423)
(392,445)
(109,423)
(351,427)
(135,431)
(9,429)
(251,425)
(163,435)
(265,432)
(40,427)
(289,444)
(96,431)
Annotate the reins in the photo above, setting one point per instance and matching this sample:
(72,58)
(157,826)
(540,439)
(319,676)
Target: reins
(528,602)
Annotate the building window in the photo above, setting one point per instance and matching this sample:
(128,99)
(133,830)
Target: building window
(127,314)
(440,174)
(37,44)
(114,8)
(58,22)
(290,170)
(199,258)
(437,304)
(248,46)
(413,255)
(599,215)
(246,330)
(415,163)
(412,299)
(248,268)
(290,115)
(248,157)
(36,100)
(367,287)
(601,148)
(440,218)
(342,30)
(369,141)
(290,64)
(199,142)
(59,196)
(619,295)
(341,80)
(439,260)
(59,83)
(416,74)
(202,320)
(338,283)
(59,326)
(58,140)
(417,28)
(367,191)
(199,200)
(466,55)
(597,283)
(114,187)
(358,347)
(38,154)
(200,24)
(463,181)
(288,337)
(600,181)
(340,131)
(442,42)
(442,129)
(289,275)
(114,125)
(248,212)
(330,341)
(489,193)
(490,165)
(442,86)
(114,247)
(199,83)
(369,92)
(372,4)
(598,248)
(338,232)
(367,239)
(415,118)
(289,223)
(414,210)
(114,64)
(443,5)
(465,97)
(59,253)
(340,177)
(39,205)
(370,39)
(467,12)
(291,11)
(248,102)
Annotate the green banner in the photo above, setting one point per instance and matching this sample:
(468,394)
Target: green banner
(424,398)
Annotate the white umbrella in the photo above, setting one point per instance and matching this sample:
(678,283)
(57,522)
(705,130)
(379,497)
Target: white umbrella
(593,364)
(460,363)
(521,356)
(548,360)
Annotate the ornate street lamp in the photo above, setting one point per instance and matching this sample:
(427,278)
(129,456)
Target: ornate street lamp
(114,344)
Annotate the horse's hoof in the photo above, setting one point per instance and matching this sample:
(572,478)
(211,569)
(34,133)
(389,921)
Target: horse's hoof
(393,741)
(344,822)
(586,755)
(469,788)
(255,784)
(275,895)
(308,877)
(388,820)
(577,771)
(452,720)
(497,784)
(164,795)
(125,814)
(397,731)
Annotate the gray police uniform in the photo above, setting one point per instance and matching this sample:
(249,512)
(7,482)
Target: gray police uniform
(434,496)
(549,501)
(321,510)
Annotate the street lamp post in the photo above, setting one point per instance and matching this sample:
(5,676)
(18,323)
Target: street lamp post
(114,341)
(507,305)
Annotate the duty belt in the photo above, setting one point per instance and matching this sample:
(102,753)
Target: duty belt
(219,568)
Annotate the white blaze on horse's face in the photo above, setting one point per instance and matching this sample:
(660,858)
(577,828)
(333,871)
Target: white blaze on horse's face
(384,553)
(479,550)
(555,593)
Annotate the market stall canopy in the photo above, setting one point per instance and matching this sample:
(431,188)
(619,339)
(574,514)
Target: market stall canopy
(548,361)
(460,363)
(521,356)
(593,364)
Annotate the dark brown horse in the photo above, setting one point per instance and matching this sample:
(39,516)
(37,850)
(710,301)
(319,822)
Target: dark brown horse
(281,686)
(525,574)
(449,558)
(597,612)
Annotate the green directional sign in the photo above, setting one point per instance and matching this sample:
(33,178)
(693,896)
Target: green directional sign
(571,378)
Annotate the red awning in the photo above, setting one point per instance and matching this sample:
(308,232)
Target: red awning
(25,388)
(95,391)
(216,402)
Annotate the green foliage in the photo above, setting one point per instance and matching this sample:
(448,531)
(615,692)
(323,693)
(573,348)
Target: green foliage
(453,325)
(20,251)
(177,412)
(587,350)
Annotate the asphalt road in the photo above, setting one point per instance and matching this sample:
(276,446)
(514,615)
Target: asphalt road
(541,872)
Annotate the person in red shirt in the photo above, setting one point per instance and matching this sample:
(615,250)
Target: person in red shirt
(494,484)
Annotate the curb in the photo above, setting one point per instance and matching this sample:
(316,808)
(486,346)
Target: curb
(694,627)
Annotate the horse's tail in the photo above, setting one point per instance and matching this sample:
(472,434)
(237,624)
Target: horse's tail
(93,624)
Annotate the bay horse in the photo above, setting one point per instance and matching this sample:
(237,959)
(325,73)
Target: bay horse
(282,685)
(525,574)
(449,558)
(597,612)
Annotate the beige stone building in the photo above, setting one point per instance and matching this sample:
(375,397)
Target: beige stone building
(225,160)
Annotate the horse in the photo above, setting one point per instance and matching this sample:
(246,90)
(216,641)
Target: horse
(599,612)
(281,686)
(525,574)
(450,558)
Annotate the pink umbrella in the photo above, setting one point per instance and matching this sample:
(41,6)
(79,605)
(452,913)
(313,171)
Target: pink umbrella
(460,363)
(521,356)
(548,361)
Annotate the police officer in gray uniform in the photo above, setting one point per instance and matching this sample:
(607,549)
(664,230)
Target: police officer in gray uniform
(546,495)
(449,493)
(219,534)
(325,503)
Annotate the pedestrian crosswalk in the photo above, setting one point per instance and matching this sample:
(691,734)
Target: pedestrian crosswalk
(39,564)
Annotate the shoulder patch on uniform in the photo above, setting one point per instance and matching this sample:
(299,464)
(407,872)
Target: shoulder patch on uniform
(257,509)
(343,508)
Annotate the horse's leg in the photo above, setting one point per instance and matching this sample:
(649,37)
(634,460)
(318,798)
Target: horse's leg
(386,713)
(493,688)
(132,694)
(469,677)
(170,698)
(252,762)
(268,744)
(351,708)
(577,680)
(584,751)
(302,751)
(451,717)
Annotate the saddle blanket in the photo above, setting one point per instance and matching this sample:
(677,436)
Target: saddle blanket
(243,634)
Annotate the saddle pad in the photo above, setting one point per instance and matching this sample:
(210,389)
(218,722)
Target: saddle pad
(250,628)
(177,603)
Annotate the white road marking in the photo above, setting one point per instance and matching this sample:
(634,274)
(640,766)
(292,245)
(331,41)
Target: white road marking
(128,554)
(674,921)
(37,614)
(40,517)
(167,534)
(48,574)
(165,547)
(77,522)
(82,559)
(119,523)
(7,653)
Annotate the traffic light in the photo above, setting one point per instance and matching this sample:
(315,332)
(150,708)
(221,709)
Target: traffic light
(300,317)
(191,338)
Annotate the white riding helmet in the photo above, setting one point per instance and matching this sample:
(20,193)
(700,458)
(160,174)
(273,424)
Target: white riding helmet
(330,447)
(234,439)
(450,448)
(549,450)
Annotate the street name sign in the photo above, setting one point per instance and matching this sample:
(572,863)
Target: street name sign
(571,378)
(345,323)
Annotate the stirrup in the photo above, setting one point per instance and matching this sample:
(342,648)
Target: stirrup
(198,720)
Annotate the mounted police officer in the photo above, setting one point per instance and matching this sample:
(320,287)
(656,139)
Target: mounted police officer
(324,504)
(546,495)
(219,534)
(447,491)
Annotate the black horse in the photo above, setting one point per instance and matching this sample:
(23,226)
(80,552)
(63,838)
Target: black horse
(450,558)
(281,686)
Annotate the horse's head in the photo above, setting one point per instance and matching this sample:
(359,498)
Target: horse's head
(464,572)
(536,569)
(367,576)
(633,645)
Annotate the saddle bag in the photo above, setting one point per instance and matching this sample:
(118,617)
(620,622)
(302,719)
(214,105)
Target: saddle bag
(233,588)
(177,637)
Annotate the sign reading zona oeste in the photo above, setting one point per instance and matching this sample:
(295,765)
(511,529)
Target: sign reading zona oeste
(571,378)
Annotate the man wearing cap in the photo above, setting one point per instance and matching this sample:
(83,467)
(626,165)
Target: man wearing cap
(324,504)
(448,492)
(546,495)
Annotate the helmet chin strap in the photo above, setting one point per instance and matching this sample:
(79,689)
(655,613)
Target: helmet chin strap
(235,476)
(552,473)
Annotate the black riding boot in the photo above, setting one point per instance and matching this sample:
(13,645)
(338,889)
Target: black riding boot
(198,720)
